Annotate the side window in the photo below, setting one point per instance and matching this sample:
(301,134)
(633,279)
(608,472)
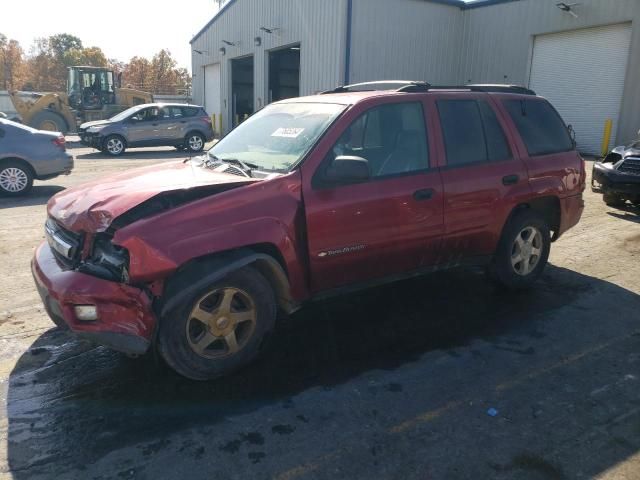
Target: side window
(497,146)
(541,128)
(189,111)
(462,130)
(392,138)
(471,132)
(140,115)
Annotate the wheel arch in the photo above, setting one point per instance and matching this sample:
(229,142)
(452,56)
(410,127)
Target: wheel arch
(21,161)
(265,258)
(548,207)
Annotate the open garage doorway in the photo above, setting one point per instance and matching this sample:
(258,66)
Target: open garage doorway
(284,73)
(241,88)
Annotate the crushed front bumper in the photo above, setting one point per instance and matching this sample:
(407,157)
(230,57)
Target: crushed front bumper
(609,180)
(126,321)
(93,140)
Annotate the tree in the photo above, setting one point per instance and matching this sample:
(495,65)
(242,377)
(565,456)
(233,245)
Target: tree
(92,56)
(61,43)
(11,63)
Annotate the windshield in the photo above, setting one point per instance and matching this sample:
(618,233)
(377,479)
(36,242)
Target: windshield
(277,137)
(126,113)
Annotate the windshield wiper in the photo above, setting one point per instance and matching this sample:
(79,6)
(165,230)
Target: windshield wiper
(246,167)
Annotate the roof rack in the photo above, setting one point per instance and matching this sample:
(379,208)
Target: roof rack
(487,87)
(395,85)
(409,86)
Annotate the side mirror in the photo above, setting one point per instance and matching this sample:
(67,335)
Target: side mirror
(347,169)
(572,134)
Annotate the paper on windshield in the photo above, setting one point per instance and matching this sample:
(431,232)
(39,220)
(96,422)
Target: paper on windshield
(287,132)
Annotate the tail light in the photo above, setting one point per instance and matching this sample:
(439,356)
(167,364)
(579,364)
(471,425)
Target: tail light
(60,142)
(206,119)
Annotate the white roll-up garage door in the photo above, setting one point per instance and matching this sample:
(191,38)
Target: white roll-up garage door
(582,73)
(212,89)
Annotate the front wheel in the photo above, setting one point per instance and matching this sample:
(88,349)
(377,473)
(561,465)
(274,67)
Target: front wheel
(194,142)
(220,328)
(522,252)
(113,145)
(15,178)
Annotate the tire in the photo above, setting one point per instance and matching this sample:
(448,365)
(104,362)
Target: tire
(50,121)
(525,228)
(114,145)
(194,142)
(16,178)
(203,351)
(613,200)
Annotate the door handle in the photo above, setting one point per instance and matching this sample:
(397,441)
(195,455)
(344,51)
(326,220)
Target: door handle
(424,194)
(510,179)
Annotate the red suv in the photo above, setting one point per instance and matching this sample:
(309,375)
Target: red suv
(309,197)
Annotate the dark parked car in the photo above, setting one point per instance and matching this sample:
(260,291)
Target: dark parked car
(617,176)
(309,197)
(27,154)
(186,127)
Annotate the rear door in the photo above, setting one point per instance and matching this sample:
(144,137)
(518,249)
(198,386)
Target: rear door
(169,125)
(483,176)
(388,225)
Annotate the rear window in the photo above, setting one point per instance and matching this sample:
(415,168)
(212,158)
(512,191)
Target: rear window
(541,128)
(190,111)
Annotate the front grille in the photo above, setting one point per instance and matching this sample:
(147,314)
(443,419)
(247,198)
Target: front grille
(65,244)
(630,166)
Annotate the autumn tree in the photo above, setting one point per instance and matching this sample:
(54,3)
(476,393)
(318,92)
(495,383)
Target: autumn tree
(11,63)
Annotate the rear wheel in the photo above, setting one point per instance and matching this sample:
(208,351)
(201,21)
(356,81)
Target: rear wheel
(613,200)
(194,142)
(114,145)
(51,121)
(15,178)
(522,252)
(220,328)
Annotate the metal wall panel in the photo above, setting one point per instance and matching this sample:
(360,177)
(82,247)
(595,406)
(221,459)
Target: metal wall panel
(406,40)
(319,28)
(498,41)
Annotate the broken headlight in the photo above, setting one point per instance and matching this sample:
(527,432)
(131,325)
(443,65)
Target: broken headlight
(107,260)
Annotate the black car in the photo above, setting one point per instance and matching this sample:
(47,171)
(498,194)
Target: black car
(617,176)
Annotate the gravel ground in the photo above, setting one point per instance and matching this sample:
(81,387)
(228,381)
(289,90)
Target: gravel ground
(393,383)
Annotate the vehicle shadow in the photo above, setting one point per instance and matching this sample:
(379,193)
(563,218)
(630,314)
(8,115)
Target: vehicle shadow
(631,214)
(39,195)
(69,403)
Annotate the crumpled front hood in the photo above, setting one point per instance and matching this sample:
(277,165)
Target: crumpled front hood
(93,206)
(86,125)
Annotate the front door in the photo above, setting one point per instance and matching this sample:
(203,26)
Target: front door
(387,225)
(142,127)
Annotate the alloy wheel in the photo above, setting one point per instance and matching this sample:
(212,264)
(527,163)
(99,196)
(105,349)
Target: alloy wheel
(221,323)
(526,250)
(13,179)
(115,146)
(195,142)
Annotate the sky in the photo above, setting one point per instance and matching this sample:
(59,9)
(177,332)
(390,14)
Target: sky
(121,28)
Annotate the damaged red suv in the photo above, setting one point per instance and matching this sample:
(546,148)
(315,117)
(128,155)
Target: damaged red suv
(309,197)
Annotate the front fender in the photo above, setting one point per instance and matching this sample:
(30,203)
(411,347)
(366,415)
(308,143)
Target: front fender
(266,213)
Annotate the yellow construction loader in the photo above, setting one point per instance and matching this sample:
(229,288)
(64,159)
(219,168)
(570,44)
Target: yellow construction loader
(92,94)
